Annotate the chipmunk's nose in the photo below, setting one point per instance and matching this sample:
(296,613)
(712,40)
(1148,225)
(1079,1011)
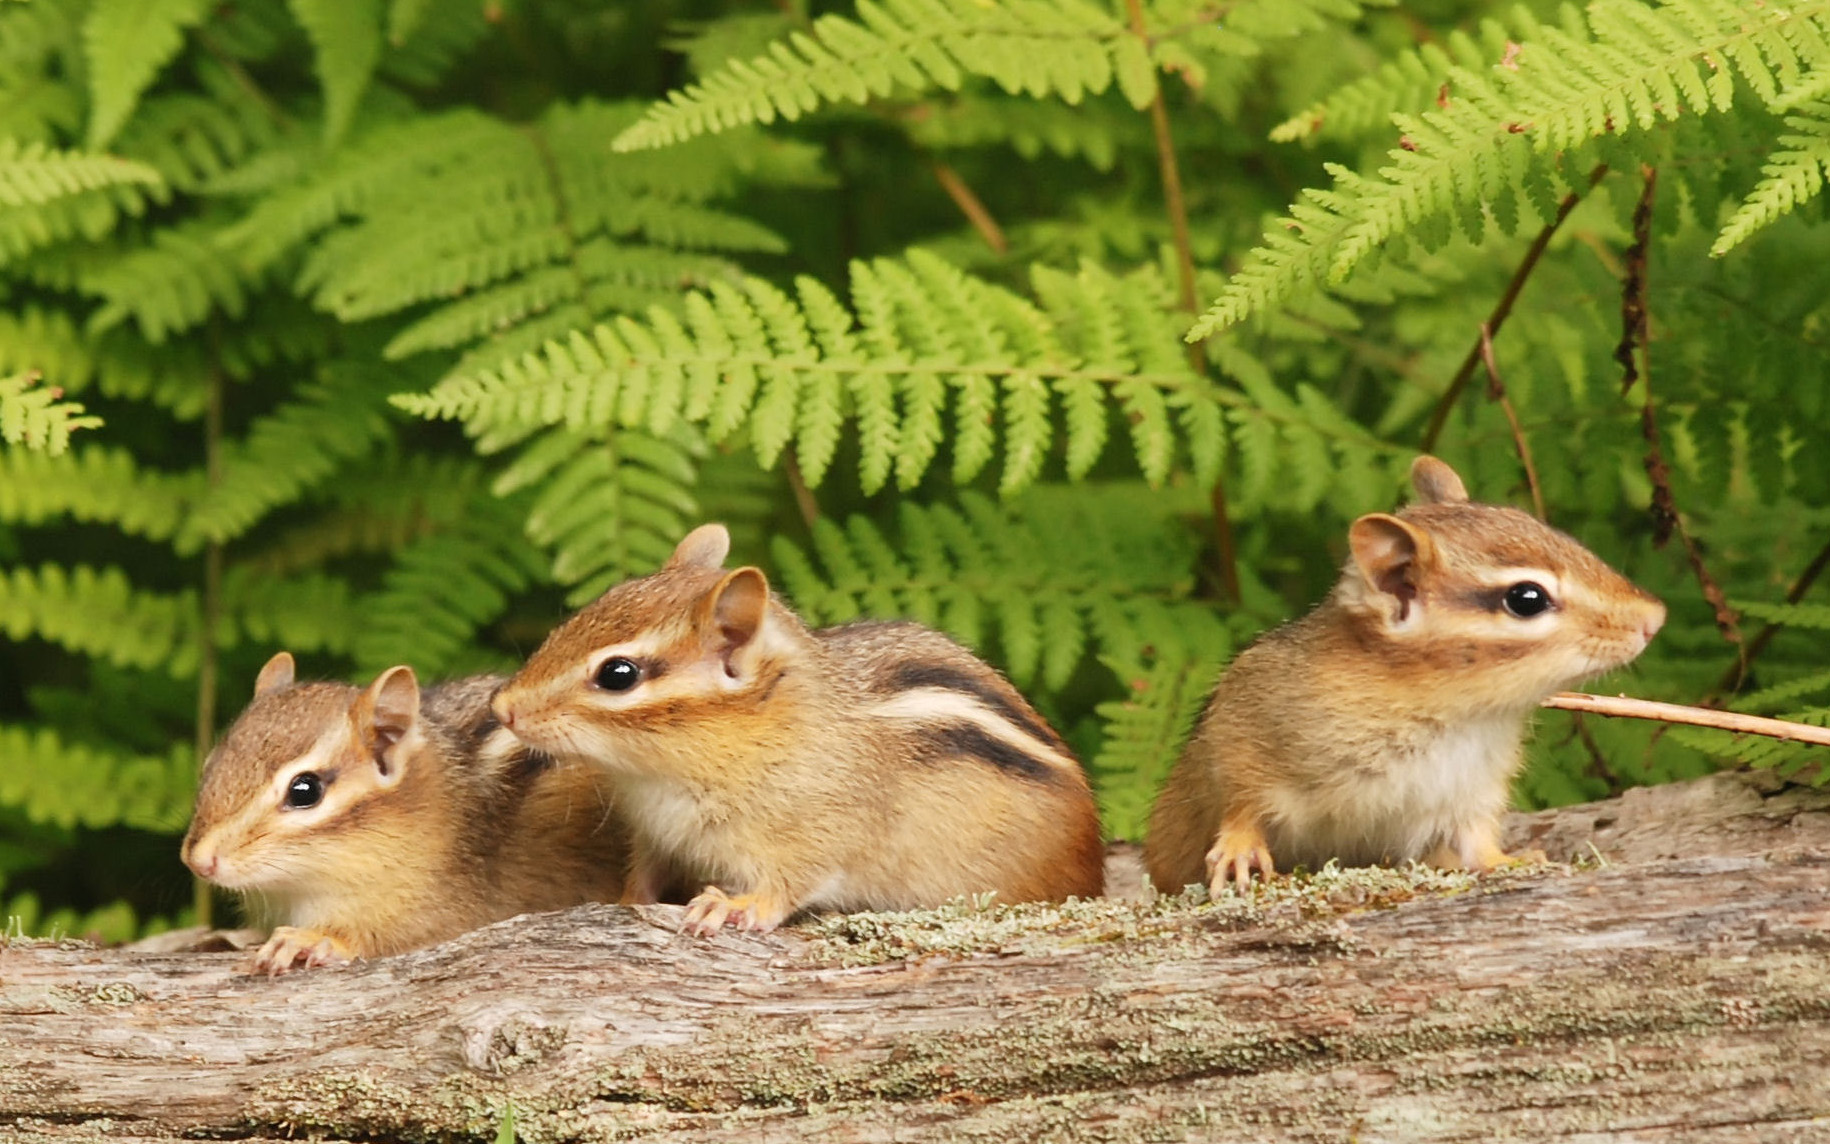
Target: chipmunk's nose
(505,714)
(202,861)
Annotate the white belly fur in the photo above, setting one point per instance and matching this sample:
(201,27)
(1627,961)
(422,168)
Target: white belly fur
(1400,805)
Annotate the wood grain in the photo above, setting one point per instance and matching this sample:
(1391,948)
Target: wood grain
(1681,992)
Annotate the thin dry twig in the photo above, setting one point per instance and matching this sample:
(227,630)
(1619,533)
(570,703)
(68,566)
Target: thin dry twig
(1634,353)
(1496,391)
(972,207)
(1620,706)
(1501,310)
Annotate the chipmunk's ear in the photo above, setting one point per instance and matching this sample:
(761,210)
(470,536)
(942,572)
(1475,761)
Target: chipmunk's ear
(735,610)
(1436,482)
(385,713)
(1391,553)
(704,547)
(276,674)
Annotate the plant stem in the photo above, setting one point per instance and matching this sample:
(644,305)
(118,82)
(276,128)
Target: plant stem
(1736,674)
(804,499)
(211,608)
(972,207)
(1176,203)
(1501,310)
(1622,707)
(1496,390)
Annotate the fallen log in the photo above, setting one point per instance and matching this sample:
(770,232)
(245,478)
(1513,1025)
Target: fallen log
(1672,986)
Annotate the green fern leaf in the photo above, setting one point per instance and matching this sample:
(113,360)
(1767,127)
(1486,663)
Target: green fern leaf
(92,485)
(70,784)
(346,35)
(1791,176)
(1143,734)
(101,614)
(746,355)
(31,415)
(128,42)
(33,174)
(168,287)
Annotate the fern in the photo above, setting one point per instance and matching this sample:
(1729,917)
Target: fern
(33,416)
(92,485)
(796,369)
(346,35)
(1509,131)
(100,613)
(1144,733)
(1792,176)
(68,784)
(1113,581)
(34,175)
(128,42)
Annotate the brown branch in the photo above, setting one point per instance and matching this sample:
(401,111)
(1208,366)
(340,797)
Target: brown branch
(1176,203)
(209,608)
(1737,672)
(1501,310)
(972,207)
(1634,353)
(1620,706)
(1496,391)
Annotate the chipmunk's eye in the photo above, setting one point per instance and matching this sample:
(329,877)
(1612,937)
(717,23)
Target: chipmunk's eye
(617,674)
(305,791)
(1526,599)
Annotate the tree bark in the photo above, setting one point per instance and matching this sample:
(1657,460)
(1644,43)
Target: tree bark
(1674,987)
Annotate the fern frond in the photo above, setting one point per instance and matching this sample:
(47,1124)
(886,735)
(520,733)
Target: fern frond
(33,416)
(168,287)
(609,505)
(1408,84)
(372,508)
(920,332)
(93,485)
(913,45)
(1791,176)
(128,42)
(444,587)
(53,780)
(1510,131)
(336,419)
(33,174)
(101,614)
(1110,572)
(346,38)
(1144,733)
(189,140)
(1798,761)
(1814,617)
(313,612)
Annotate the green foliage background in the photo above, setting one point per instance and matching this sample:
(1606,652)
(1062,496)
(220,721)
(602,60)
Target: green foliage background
(385,331)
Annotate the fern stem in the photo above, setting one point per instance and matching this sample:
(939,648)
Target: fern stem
(1496,390)
(804,499)
(1737,672)
(1176,203)
(232,67)
(972,207)
(210,608)
(1636,338)
(1502,309)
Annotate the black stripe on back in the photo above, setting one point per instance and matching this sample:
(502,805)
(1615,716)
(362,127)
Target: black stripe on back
(964,740)
(909,676)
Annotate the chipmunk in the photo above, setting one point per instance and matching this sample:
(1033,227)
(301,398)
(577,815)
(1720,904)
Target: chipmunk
(384,819)
(870,766)
(1386,725)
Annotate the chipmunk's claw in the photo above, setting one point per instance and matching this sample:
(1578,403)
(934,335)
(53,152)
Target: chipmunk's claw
(292,948)
(712,909)
(1234,856)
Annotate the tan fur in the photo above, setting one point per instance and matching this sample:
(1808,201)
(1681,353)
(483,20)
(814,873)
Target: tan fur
(434,820)
(1386,724)
(799,769)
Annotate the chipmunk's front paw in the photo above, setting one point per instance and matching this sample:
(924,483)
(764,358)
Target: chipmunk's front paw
(292,948)
(1478,849)
(713,908)
(1235,854)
